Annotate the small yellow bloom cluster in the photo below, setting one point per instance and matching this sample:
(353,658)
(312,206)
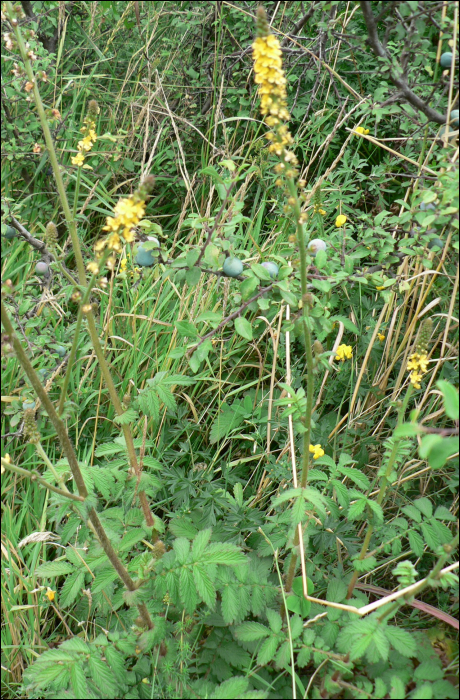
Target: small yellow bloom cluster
(318,210)
(50,594)
(341,220)
(344,352)
(127,214)
(270,78)
(317,451)
(89,134)
(381,337)
(418,366)
(361,130)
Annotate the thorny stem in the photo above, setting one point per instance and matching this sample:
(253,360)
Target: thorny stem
(382,491)
(79,262)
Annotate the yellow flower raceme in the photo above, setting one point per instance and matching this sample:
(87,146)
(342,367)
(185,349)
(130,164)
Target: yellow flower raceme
(361,130)
(418,366)
(79,159)
(340,220)
(344,352)
(317,451)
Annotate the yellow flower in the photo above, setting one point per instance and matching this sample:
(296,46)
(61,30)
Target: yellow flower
(123,264)
(93,268)
(128,213)
(379,289)
(340,220)
(361,130)
(317,451)
(85,144)
(418,366)
(50,594)
(381,337)
(344,352)
(416,378)
(79,159)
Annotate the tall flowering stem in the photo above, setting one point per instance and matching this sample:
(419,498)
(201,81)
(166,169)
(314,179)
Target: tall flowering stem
(271,82)
(28,57)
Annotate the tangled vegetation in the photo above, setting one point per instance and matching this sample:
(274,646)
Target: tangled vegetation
(229,350)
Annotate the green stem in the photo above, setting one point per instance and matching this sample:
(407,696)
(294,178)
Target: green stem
(432,576)
(35,476)
(382,490)
(70,455)
(50,466)
(310,375)
(79,261)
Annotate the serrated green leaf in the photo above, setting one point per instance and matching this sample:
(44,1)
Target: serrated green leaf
(78,682)
(204,586)
(187,590)
(182,549)
(102,676)
(129,416)
(267,650)
(54,568)
(251,631)
(356,476)
(200,543)
(103,579)
(274,620)
(416,543)
(230,689)
(356,509)
(230,604)
(71,588)
(404,642)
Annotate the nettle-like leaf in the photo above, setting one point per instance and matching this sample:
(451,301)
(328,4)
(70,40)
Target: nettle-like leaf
(230,418)
(251,631)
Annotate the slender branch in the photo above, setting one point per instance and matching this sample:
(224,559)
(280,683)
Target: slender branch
(396,75)
(231,317)
(35,476)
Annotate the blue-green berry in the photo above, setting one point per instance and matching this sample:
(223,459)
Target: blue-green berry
(146,257)
(41,269)
(27,404)
(316,245)
(425,206)
(232,267)
(43,373)
(10,233)
(272,269)
(454,118)
(436,243)
(446,59)
(61,351)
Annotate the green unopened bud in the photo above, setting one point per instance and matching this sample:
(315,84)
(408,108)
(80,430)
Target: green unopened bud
(31,431)
(93,108)
(51,235)
(317,348)
(262,27)
(424,336)
(146,187)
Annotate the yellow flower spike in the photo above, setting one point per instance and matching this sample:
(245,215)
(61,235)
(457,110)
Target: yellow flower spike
(50,594)
(317,451)
(341,220)
(344,352)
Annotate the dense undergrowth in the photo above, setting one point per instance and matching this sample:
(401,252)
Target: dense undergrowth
(212,482)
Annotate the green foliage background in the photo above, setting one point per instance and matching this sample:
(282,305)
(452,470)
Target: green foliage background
(177,99)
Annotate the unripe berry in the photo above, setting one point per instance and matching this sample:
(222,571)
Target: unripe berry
(454,118)
(10,233)
(424,206)
(272,269)
(446,59)
(232,267)
(315,246)
(41,269)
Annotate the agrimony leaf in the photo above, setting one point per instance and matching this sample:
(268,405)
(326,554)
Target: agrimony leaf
(187,590)
(267,650)
(251,631)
